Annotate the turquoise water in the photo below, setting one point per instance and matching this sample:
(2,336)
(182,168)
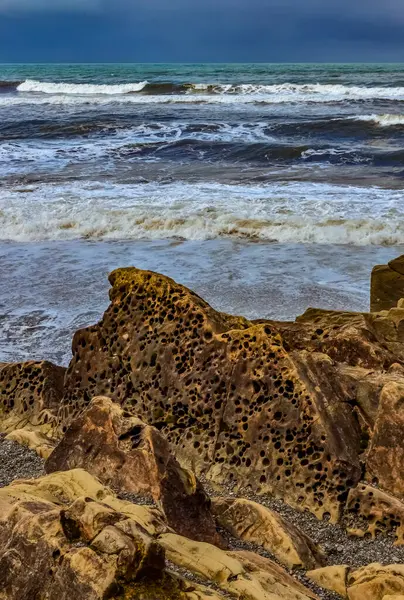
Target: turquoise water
(379,74)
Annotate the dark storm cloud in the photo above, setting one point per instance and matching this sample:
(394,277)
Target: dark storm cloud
(201,30)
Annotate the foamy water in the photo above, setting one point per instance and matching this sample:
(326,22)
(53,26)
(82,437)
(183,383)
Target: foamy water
(266,188)
(280,212)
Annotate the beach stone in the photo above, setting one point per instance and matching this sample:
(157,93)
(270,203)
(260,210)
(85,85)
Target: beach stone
(332,578)
(243,574)
(30,396)
(254,523)
(131,456)
(375,581)
(232,399)
(387,286)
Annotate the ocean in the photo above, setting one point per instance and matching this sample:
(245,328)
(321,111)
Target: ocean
(266,188)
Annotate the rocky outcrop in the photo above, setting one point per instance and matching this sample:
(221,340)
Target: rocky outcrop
(387,285)
(30,394)
(58,539)
(65,536)
(368,340)
(231,397)
(131,456)
(385,462)
(254,523)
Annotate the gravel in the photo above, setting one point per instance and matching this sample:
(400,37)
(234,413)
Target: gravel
(18,462)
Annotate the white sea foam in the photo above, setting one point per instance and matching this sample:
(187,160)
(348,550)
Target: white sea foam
(38,92)
(31,85)
(293,212)
(382,120)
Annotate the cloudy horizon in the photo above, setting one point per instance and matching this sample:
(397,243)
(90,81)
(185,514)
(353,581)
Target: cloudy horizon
(201,31)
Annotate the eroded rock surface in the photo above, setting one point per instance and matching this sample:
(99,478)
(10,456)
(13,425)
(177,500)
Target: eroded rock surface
(228,394)
(30,395)
(124,452)
(254,523)
(387,285)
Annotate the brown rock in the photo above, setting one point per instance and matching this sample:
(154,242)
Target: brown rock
(242,574)
(124,452)
(385,461)
(397,264)
(346,337)
(30,395)
(228,395)
(387,286)
(371,511)
(45,547)
(375,581)
(259,525)
(333,578)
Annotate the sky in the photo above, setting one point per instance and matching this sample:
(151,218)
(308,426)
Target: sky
(201,31)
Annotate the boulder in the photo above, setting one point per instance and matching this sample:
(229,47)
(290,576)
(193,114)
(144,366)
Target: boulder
(346,337)
(254,523)
(333,578)
(385,461)
(375,581)
(387,285)
(241,574)
(231,398)
(47,548)
(370,511)
(30,396)
(34,440)
(131,456)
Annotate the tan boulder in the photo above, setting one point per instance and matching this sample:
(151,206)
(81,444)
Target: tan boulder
(259,525)
(385,459)
(125,453)
(31,393)
(375,581)
(242,574)
(370,511)
(46,550)
(35,440)
(333,578)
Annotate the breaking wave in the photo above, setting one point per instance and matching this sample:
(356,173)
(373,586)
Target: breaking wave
(145,91)
(297,212)
(382,120)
